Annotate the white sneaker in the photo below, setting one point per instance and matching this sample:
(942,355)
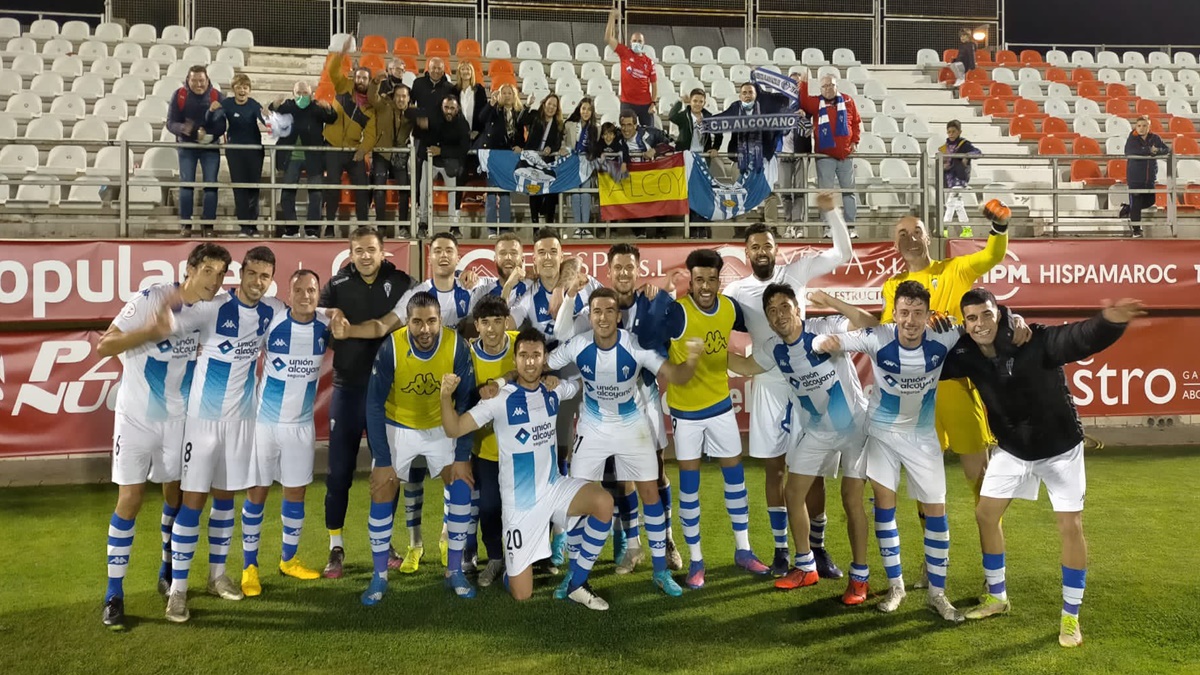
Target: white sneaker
(891,601)
(853,232)
(629,561)
(291,236)
(588,598)
(177,611)
(224,588)
(940,604)
(491,572)
(959,82)
(792,232)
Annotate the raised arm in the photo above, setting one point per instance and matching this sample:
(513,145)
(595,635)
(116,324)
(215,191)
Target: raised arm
(807,268)
(1077,341)
(744,365)
(857,316)
(456,424)
(340,82)
(117,340)
(610,30)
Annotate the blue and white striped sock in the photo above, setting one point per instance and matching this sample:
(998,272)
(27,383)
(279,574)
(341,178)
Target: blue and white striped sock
(457,519)
(937,552)
(993,573)
(165,523)
(414,501)
(293,523)
(689,511)
(656,534)
(806,562)
(737,504)
(252,517)
(379,529)
(889,543)
(220,535)
(1073,583)
(816,530)
(120,543)
(860,573)
(630,521)
(184,535)
(778,516)
(591,540)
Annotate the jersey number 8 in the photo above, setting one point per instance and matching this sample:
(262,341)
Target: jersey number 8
(187,453)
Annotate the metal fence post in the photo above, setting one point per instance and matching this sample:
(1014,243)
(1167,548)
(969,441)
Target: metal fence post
(124,183)
(1054,196)
(1172,196)
(274,200)
(923,181)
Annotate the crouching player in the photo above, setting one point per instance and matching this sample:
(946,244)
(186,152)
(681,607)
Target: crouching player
(828,404)
(533,495)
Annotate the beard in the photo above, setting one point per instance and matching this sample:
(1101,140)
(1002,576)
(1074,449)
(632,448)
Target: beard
(763,270)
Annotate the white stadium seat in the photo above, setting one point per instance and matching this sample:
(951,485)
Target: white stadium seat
(558,51)
(527,49)
(1162,76)
(1086,107)
(531,69)
(82,196)
(136,129)
(1179,107)
(89,86)
(783,56)
(1159,60)
(9,28)
(1086,126)
(160,162)
(598,86)
(885,127)
(57,47)
(207,36)
(1005,75)
(917,127)
(757,56)
(1109,59)
(681,71)
(68,66)
(586,52)
(894,106)
(240,38)
(90,129)
(927,57)
(48,85)
(107,68)
(112,109)
(153,108)
(338,40)
(10,83)
(163,55)
(1185,59)
(146,70)
(31,194)
(43,29)
(1082,58)
(1030,90)
(175,35)
(105,32)
(1134,59)
(905,145)
(44,129)
(92,50)
(829,70)
(128,52)
(1057,58)
(1147,90)
(24,106)
(108,162)
(143,33)
(68,107)
(592,70)
(672,54)
(28,65)
(18,159)
(1188,76)
(1108,75)
(66,161)
(165,89)
(811,56)
(739,73)
(561,69)
(844,57)
(497,49)
(1177,90)
(76,31)
(1134,76)
(870,144)
(1056,107)
(711,72)
(129,88)
(220,74)
(1029,75)
(701,54)
(197,55)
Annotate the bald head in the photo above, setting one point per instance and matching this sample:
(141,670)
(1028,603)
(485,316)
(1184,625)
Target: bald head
(911,239)
(637,42)
(302,89)
(436,68)
(829,86)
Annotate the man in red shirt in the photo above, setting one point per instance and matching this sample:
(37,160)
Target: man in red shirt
(639,83)
(835,132)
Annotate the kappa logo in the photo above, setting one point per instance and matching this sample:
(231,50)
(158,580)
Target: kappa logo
(422,384)
(225,347)
(229,323)
(278,363)
(279,342)
(118,560)
(715,342)
(586,369)
(891,364)
(522,436)
(518,410)
(164,346)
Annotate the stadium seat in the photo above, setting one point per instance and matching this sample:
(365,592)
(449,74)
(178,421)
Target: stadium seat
(1085,146)
(338,41)
(1114,145)
(1108,59)
(18,159)
(558,51)
(239,38)
(874,89)
(871,144)
(142,33)
(77,31)
(197,56)
(66,161)
(165,89)
(560,69)
(1134,76)
(24,106)
(996,106)
(135,130)
(107,68)
(497,49)
(82,196)
(739,73)
(90,129)
(373,62)
(1148,107)
(1116,90)
(1091,89)
(160,162)
(175,35)
(1030,90)
(586,52)
(8,130)
(843,56)
(757,56)
(894,106)
(1118,107)
(1056,75)
(1051,145)
(27,65)
(1178,106)
(1056,107)
(1186,146)
(1058,127)
(89,86)
(784,56)
(531,69)
(47,85)
(43,29)
(1087,126)
(9,28)
(593,70)
(1002,89)
(57,47)
(437,47)
(701,55)
(231,55)
(972,91)
(1181,125)
(1080,75)
(127,52)
(885,127)
(1087,171)
(1031,57)
(949,55)
(983,57)
(1147,90)
(977,75)
(1118,126)
(905,145)
(729,56)
(927,57)
(207,36)
(1006,57)
(68,107)
(682,71)
(1185,59)
(36,191)
(1191,77)
(1029,75)
(371,44)
(111,109)
(1108,76)
(163,55)
(1162,76)
(1022,127)
(1134,59)
(44,129)
(129,88)
(69,66)
(595,87)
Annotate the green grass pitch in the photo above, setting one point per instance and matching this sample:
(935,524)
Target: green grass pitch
(1141,612)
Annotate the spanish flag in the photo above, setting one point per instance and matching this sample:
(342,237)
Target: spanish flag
(653,189)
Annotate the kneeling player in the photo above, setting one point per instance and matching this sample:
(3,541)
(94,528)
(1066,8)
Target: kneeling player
(533,495)
(1041,440)
(828,404)
(284,434)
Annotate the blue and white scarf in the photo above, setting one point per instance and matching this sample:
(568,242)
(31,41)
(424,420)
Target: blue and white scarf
(825,133)
(776,82)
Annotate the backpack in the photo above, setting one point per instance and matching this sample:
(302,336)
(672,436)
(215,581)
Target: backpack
(182,92)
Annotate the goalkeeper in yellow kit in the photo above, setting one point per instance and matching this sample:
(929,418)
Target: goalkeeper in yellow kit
(959,414)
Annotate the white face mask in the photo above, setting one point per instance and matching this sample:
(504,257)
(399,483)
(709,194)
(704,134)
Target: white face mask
(637,47)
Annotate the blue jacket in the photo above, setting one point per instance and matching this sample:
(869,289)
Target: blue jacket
(650,325)
(1143,173)
(196,110)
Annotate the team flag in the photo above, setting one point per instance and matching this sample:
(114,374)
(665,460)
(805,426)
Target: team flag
(652,189)
(715,200)
(529,173)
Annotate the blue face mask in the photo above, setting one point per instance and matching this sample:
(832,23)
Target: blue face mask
(637,47)
(303,101)
(747,106)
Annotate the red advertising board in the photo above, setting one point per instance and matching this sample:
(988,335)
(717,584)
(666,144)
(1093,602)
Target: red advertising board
(1067,274)
(57,395)
(90,280)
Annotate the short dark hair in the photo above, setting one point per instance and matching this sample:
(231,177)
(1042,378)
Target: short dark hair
(530,334)
(444,235)
(490,307)
(422,300)
(977,296)
(398,87)
(601,293)
(747,83)
(699,91)
(260,254)
(209,251)
(759,228)
(624,249)
(628,113)
(305,272)
(704,257)
(954,124)
(198,69)
(546,233)
(773,290)
(450,97)
(913,290)
(608,126)
(366,231)
(508,236)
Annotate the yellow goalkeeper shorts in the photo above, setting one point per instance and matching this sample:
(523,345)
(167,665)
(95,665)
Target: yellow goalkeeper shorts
(961,419)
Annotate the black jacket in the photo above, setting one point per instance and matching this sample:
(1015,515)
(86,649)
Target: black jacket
(1143,173)
(535,131)
(427,96)
(768,104)
(495,131)
(1029,406)
(360,302)
(452,136)
(681,116)
(308,124)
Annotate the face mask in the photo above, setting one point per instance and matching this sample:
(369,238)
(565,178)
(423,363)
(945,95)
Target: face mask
(637,47)
(303,101)
(747,105)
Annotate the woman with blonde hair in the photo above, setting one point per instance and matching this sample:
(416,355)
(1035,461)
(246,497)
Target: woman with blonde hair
(502,130)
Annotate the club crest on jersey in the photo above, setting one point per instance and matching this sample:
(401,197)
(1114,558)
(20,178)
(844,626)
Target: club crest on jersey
(225,347)
(933,282)
(278,363)
(625,371)
(387,288)
(164,346)
(422,384)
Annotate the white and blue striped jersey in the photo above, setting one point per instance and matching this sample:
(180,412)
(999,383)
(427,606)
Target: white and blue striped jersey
(494,286)
(610,378)
(526,426)
(231,340)
(157,376)
(456,304)
(905,379)
(293,365)
(535,306)
(824,387)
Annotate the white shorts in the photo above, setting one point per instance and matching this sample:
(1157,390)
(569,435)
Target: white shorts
(409,444)
(146,450)
(822,453)
(1009,477)
(716,436)
(217,455)
(632,449)
(919,453)
(769,427)
(652,398)
(283,453)
(527,533)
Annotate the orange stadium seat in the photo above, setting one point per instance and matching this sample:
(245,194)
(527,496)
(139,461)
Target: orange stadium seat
(325,91)
(437,47)
(1085,145)
(997,107)
(972,91)
(1091,89)
(1051,145)
(1160,197)
(1118,107)
(947,75)
(1087,171)
(977,75)
(468,48)
(1191,197)
(1022,127)
(374,44)
(1006,57)
(498,66)
(949,55)
(1182,126)
(1056,75)
(1028,108)
(373,62)
(502,78)
(1081,75)
(1117,90)
(1116,170)
(983,57)
(410,62)
(1156,126)
(1147,107)
(347,66)
(1031,57)
(1186,145)
(406,46)
(1002,89)
(1059,128)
